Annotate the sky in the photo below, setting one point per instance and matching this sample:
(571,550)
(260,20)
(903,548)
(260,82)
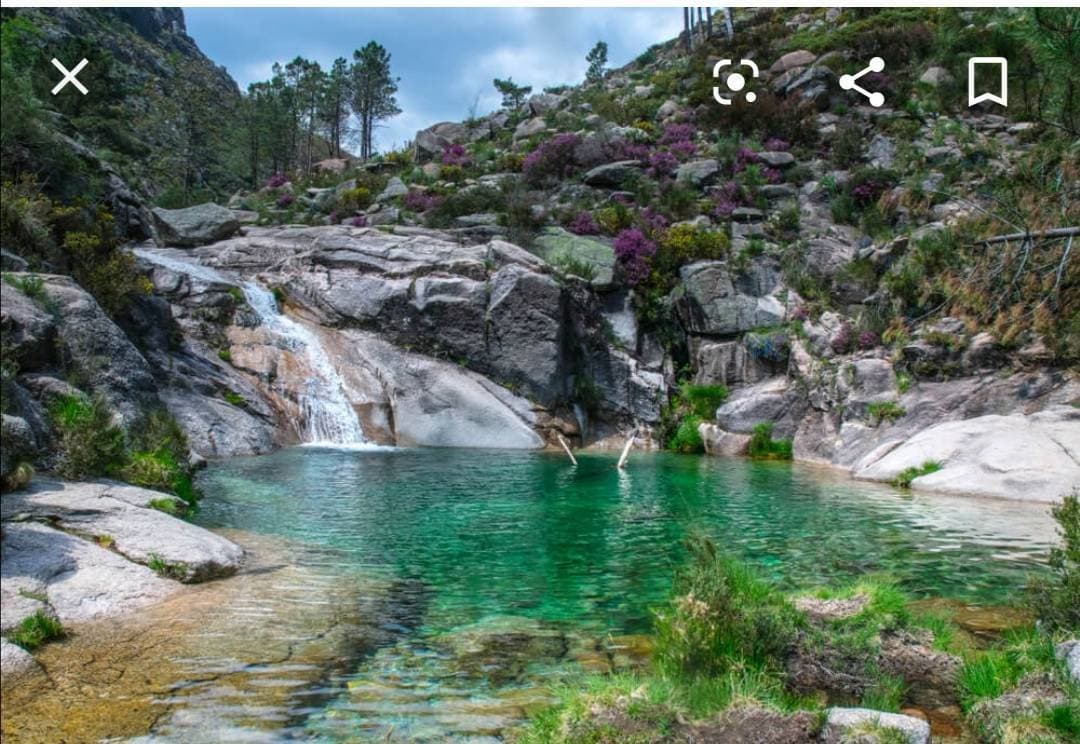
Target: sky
(446,57)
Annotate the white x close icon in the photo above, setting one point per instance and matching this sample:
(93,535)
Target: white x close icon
(69,77)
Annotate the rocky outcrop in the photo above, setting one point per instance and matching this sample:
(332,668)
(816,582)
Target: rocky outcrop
(718,301)
(198,225)
(494,308)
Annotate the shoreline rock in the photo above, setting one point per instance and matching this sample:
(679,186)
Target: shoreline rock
(86,551)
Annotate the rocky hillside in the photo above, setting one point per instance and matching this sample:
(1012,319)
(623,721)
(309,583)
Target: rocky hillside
(888,290)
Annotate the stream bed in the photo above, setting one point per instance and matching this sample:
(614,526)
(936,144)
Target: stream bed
(433,595)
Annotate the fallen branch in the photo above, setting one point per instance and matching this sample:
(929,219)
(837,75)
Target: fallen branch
(1057,232)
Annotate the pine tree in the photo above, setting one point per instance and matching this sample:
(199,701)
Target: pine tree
(597,59)
(373,89)
(334,107)
(513,95)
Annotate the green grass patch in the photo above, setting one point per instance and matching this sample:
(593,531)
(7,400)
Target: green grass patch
(167,569)
(887,411)
(904,478)
(164,505)
(90,443)
(36,630)
(763,447)
(233,398)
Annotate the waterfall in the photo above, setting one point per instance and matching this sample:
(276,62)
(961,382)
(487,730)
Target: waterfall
(325,412)
(326,416)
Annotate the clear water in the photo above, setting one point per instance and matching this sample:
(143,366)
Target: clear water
(482,536)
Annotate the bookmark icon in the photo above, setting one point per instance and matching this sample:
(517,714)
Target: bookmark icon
(1002,95)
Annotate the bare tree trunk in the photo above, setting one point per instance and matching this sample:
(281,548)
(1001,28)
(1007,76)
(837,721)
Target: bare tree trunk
(708,22)
(729,29)
(687,28)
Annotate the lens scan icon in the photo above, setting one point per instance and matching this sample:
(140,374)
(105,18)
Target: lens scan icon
(1002,95)
(735,81)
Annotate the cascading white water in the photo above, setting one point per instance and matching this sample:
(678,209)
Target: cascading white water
(325,411)
(326,416)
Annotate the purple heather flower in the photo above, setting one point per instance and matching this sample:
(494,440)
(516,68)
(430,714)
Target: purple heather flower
(776,144)
(285,200)
(654,222)
(677,133)
(358,221)
(662,164)
(277,181)
(868,340)
(583,224)
(419,201)
(772,175)
(555,157)
(633,251)
(455,155)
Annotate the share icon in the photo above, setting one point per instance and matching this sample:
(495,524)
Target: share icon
(847,82)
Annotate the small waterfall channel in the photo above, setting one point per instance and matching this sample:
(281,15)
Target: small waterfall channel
(326,416)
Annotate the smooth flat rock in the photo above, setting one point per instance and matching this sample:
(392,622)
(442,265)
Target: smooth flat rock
(120,517)
(1030,458)
(841,720)
(79,579)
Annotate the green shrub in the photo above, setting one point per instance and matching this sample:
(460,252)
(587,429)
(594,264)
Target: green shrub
(233,398)
(886,411)
(1055,600)
(466,201)
(703,400)
(35,630)
(763,447)
(907,475)
(159,457)
(687,438)
(31,285)
(90,443)
(19,477)
(722,617)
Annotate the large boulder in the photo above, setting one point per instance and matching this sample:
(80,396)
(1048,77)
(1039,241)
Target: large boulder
(123,516)
(554,243)
(431,142)
(1027,457)
(698,173)
(715,301)
(198,225)
(613,175)
(773,400)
